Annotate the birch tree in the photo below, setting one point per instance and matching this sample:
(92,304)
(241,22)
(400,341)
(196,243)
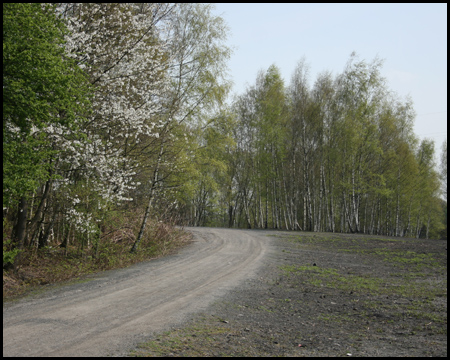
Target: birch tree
(443,168)
(196,73)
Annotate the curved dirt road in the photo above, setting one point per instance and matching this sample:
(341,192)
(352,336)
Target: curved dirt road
(117,309)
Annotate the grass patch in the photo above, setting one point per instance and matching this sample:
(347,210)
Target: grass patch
(197,339)
(403,286)
(329,277)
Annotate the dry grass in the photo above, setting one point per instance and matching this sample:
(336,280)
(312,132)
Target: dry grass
(53,264)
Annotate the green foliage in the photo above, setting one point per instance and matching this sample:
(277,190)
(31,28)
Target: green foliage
(206,183)
(340,156)
(9,254)
(41,87)
(37,77)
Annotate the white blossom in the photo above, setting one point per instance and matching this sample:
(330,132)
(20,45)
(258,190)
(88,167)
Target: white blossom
(125,49)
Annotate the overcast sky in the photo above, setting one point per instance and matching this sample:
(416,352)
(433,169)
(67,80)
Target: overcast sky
(411,38)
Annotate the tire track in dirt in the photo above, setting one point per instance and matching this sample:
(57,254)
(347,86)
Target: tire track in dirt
(117,309)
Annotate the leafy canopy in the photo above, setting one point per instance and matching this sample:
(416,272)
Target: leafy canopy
(41,87)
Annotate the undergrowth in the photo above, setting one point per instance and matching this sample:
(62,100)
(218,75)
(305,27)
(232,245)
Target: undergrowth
(54,264)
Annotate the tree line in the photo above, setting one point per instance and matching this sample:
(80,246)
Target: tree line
(113,112)
(340,156)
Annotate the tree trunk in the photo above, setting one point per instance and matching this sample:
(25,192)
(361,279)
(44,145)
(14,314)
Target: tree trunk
(266,221)
(150,200)
(230,216)
(20,228)
(36,221)
(48,230)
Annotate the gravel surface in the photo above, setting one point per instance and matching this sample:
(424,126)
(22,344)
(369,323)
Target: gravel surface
(249,293)
(326,295)
(116,309)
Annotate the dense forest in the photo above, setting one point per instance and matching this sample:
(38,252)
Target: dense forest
(115,118)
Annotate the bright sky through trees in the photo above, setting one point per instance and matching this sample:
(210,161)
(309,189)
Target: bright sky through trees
(412,39)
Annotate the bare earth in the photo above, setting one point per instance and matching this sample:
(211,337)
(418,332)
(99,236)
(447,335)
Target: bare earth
(112,313)
(325,294)
(249,293)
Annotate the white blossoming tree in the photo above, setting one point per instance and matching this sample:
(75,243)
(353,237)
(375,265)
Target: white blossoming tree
(153,71)
(118,47)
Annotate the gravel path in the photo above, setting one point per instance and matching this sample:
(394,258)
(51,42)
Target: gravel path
(115,310)
(249,293)
(324,294)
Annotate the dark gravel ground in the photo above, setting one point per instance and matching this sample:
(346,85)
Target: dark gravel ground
(322,294)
